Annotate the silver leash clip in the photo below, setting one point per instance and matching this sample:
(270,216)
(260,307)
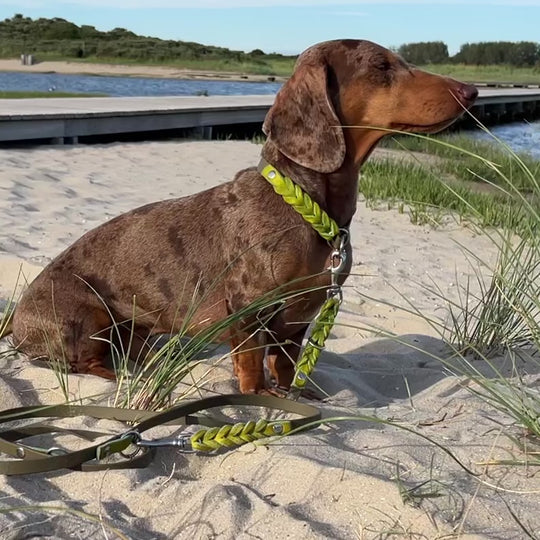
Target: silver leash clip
(338,261)
(183,442)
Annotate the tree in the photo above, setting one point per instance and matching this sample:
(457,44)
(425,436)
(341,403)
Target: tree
(520,54)
(429,52)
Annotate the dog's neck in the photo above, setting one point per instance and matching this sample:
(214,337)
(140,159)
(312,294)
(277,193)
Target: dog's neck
(335,192)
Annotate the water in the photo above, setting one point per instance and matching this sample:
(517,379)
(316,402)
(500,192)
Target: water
(129,86)
(520,136)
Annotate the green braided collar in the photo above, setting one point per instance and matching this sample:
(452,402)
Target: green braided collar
(294,195)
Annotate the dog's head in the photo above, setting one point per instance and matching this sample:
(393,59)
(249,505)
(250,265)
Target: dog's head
(340,88)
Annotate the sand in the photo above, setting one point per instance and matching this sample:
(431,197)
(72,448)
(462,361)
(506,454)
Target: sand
(339,481)
(119,70)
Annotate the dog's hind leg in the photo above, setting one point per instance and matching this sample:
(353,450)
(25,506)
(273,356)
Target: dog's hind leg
(66,324)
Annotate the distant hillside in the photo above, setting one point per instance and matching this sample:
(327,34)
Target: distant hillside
(57,39)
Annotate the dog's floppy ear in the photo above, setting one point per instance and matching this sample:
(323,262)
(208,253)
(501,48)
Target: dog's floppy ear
(302,122)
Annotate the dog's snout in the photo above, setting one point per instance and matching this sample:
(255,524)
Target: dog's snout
(467,92)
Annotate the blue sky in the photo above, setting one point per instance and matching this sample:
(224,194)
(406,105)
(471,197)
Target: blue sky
(289,26)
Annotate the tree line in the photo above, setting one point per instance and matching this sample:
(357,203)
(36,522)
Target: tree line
(60,38)
(518,54)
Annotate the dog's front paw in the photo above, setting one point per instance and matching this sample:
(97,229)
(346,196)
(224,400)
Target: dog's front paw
(277,391)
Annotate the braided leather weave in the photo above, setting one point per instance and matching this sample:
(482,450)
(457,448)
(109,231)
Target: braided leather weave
(206,440)
(301,202)
(321,330)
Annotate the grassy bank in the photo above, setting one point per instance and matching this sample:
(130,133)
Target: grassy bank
(283,67)
(280,67)
(432,179)
(488,73)
(29,95)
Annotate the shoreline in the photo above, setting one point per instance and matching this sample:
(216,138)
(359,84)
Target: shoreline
(65,67)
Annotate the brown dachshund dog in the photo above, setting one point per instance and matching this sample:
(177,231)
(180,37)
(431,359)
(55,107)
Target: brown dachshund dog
(320,131)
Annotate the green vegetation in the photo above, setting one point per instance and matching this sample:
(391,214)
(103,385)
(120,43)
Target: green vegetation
(490,73)
(493,327)
(58,39)
(29,94)
(429,52)
(461,159)
(279,67)
(478,62)
(456,181)
(518,54)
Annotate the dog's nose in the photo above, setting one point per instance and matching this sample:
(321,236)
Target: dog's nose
(467,92)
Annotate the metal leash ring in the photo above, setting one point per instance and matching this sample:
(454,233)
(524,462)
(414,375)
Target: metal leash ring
(136,436)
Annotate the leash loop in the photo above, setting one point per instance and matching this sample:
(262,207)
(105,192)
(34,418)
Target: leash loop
(117,445)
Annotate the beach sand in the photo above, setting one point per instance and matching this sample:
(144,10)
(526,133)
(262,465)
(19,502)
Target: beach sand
(349,479)
(134,70)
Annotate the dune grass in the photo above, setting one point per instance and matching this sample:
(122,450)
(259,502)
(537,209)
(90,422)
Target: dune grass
(474,160)
(502,319)
(454,181)
(163,376)
(7,311)
(428,200)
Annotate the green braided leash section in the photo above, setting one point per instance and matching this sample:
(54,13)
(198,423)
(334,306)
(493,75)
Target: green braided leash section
(300,201)
(329,230)
(315,344)
(207,440)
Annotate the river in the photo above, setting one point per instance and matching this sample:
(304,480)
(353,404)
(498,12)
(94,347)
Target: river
(129,86)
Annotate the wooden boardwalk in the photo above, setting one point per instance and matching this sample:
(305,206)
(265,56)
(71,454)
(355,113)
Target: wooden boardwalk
(67,119)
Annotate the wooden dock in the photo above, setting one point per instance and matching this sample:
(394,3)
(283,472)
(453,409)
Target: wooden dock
(66,119)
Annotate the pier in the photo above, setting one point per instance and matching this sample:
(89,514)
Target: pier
(66,120)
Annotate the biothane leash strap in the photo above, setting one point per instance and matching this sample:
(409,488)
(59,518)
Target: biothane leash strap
(31,459)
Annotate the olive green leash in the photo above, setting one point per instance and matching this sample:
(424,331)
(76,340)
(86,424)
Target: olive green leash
(130,448)
(338,238)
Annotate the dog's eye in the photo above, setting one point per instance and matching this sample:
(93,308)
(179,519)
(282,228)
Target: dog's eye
(381,63)
(383,70)
(385,65)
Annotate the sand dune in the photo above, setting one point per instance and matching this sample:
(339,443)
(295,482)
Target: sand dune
(339,481)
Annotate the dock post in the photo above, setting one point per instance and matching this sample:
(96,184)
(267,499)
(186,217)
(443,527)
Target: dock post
(207,133)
